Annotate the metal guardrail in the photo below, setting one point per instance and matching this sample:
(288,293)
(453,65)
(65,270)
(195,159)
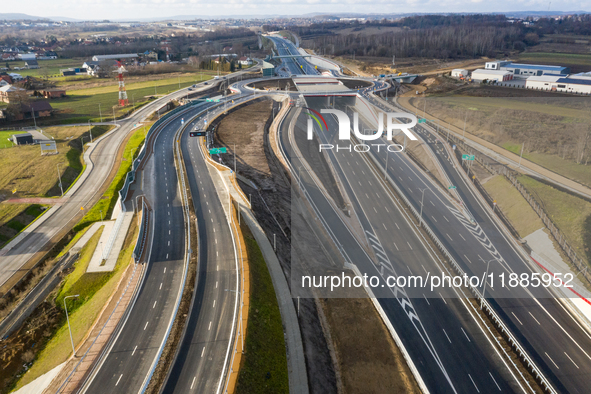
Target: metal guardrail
(142,234)
(498,321)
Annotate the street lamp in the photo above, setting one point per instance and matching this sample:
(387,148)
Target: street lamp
(100,113)
(485,279)
(68,319)
(82,142)
(421,214)
(89,130)
(59,176)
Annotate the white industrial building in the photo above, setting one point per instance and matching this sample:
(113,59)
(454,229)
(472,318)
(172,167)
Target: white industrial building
(523,71)
(491,75)
(459,73)
(129,56)
(580,83)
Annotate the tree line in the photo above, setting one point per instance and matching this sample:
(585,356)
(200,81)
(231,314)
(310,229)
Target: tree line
(438,36)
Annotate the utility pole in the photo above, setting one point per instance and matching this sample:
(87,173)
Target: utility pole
(89,131)
(234,159)
(485,280)
(464,133)
(421,214)
(100,113)
(114,120)
(521,155)
(68,319)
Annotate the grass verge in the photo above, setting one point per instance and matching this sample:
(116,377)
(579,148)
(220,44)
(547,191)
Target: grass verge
(109,198)
(513,205)
(264,365)
(95,289)
(571,214)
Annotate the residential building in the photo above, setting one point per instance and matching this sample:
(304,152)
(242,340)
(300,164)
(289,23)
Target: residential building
(8,93)
(31,64)
(53,93)
(245,61)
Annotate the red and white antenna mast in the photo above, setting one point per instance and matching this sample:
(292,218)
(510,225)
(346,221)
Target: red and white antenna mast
(122,93)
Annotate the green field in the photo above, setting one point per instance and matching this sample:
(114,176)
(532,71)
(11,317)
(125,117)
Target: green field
(109,198)
(545,124)
(558,58)
(83,105)
(46,67)
(264,366)
(571,214)
(513,205)
(4,136)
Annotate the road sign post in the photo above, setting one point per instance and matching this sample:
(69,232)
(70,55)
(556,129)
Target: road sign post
(217,151)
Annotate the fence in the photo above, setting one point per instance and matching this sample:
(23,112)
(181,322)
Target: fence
(485,161)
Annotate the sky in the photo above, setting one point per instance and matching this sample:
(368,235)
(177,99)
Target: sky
(141,9)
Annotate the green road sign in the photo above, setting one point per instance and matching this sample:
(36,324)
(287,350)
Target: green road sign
(217,151)
(468,157)
(422,120)
(210,100)
(450,187)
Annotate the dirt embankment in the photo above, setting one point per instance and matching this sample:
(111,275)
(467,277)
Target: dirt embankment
(347,346)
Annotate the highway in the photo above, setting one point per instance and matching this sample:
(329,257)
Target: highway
(557,343)
(199,366)
(128,363)
(446,345)
(287,48)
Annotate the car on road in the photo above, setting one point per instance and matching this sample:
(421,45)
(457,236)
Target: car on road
(205,83)
(194,86)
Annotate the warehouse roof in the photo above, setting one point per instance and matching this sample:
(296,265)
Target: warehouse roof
(533,67)
(491,72)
